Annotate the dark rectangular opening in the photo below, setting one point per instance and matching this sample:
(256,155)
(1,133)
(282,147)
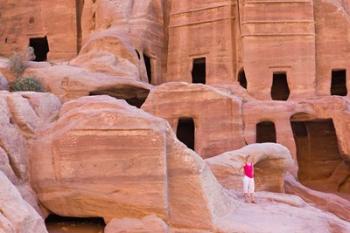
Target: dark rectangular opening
(299,129)
(199,70)
(338,84)
(55,223)
(148,65)
(321,166)
(132,95)
(79,6)
(280,89)
(41,48)
(186,132)
(265,132)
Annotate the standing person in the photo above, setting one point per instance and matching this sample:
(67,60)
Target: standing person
(248,180)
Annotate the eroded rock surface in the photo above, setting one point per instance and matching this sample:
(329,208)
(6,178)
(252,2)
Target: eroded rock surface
(135,167)
(3,83)
(326,201)
(149,224)
(216,115)
(315,130)
(271,162)
(22,114)
(277,212)
(94,167)
(16,215)
(71,82)
(101,157)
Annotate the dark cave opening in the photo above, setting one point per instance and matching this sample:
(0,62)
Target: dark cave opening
(59,224)
(41,48)
(199,70)
(242,79)
(132,95)
(321,166)
(79,5)
(148,65)
(265,132)
(186,132)
(338,83)
(280,89)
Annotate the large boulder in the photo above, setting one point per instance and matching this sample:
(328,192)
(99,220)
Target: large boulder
(271,162)
(22,114)
(70,82)
(139,26)
(109,52)
(105,158)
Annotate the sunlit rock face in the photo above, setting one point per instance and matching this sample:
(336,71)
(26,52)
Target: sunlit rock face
(54,29)
(59,224)
(271,162)
(104,158)
(204,105)
(94,167)
(314,130)
(153,105)
(16,214)
(64,29)
(22,114)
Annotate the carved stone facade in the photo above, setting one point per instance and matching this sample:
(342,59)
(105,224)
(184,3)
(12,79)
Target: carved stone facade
(53,22)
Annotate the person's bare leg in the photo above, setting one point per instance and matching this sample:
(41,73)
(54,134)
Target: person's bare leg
(252,198)
(252,190)
(246,197)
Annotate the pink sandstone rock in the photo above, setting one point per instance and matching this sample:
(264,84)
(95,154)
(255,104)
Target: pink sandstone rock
(141,22)
(277,212)
(70,82)
(22,113)
(148,224)
(76,22)
(21,21)
(332,25)
(271,161)
(5,225)
(326,201)
(207,106)
(189,38)
(117,35)
(11,140)
(231,36)
(28,194)
(135,168)
(5,166)
(264,32)
(303,124)
(20,216)
(305,40)
(109,52)
(3,83)
(167,179)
